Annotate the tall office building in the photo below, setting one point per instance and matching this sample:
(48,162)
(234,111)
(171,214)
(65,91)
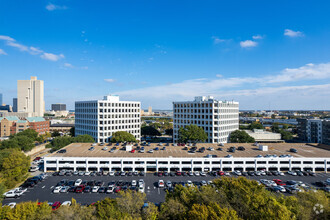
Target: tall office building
(1,99)
(14,104)
(102,118)
(314,130)
(30,96)
(217,118)
(58,107)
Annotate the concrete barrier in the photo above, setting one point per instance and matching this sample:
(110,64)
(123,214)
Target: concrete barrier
(36,150)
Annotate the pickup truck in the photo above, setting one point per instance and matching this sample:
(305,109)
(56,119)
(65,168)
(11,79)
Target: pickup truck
(12,194)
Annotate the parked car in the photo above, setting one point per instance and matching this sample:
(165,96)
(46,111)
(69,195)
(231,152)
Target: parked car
(57,189)
(161,184)
(56,205)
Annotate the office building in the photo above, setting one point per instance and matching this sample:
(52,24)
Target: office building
(217,118)
(7,108)
(102,118)
(30,96)
(58,107)
(314,130)
(14,104)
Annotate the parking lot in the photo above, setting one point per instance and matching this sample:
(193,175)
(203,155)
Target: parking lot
(43,191)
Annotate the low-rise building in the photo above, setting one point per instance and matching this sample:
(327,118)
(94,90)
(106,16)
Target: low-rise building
(38,124)
(261,135)
(314,130)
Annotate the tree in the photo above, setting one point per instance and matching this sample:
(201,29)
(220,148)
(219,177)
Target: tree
(256,125)
(122,136)
(130,202)
(14,167)
(192,133)
(72,131)
(286,135)
(32,134)
(86,138)
(239,136)
(56,133)
(149,131)
(169,131)
(150,212)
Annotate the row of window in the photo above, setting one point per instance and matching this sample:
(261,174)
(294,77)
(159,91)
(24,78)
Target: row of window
(119,116)
(119,127)
(119,121)
(109,134)
(206,116)
(118,110)
(226,122)
(127,105)
(205,105)
(199,111)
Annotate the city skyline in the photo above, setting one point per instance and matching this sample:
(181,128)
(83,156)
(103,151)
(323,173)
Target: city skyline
(159,52)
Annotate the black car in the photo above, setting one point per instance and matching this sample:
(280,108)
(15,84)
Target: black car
(251,173)
(166,173)
(172,174)
(55,174)
(320,184)
(91,183)
(245,174)
(99,183)
(241,148)
(72,189)
(142,173)
(70,183)
(232,149)
(219,149)
(293,150)
(99,173)
(291,182)
(87,189)
(129,174)
(269,173)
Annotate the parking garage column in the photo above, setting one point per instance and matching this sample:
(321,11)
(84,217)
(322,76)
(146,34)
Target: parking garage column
(290,164)
(156,165)
(255,165)
(325,166)
(57,169)
(221,165)
(121,165)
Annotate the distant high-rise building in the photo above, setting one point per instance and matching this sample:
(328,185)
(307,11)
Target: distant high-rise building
(217,118)
(58,107)
(14,104)
(30,96)
(150,110)
(1,97)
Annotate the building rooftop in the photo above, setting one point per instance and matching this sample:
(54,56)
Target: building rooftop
(304,150)
(35,119)
(12,118)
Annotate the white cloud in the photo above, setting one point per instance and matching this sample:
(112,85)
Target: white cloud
(7,38)
(68,65)
(257,37)
(32,50)
(51,56)
(52,7)
(217,40)
(222,87)
(219,75)
(109,80)
(2,52)
(21,47)
(291,33)
(248,44)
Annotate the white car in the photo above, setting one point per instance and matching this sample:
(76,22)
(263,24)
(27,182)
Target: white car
(78,182)
(203,174)
(204,183)
(95,189)
(281,173)
(189,183)
(11,194)
(141,188)
(11,205)
(328,181)
(197,173)
(227,174)
(57,189)
(105,148)
(141,182)
(258,173)
(66,203)
(263,173)
(134,183)
(237,173)
(210,149)
(169,184)
(87,173)
(209,182)
(190,173)
(110,189)
(282,189)
(34,169)
(161,184)
(81,173)
(151,151)
(111,173)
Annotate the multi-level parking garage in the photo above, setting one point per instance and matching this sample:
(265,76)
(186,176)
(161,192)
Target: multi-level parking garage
(79,157)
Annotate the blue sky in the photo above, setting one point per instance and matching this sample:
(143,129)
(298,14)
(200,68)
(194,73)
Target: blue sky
(264,54)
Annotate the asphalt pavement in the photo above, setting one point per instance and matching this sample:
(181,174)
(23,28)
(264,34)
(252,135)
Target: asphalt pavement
(43,191)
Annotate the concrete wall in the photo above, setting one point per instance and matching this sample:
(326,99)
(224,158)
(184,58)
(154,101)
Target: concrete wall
(36,150)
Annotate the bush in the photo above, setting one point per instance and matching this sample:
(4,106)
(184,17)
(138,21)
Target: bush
(239,136)
(122,136)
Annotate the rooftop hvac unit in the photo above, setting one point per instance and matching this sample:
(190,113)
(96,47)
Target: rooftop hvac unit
(263,147)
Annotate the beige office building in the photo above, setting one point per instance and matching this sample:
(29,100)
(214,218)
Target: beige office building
(30,96)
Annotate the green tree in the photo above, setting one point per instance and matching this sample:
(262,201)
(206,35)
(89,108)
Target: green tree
(122,136)
(83,139)
(239,136)
(172,209)
(286,135)
(169,131)
(149,131)
(150,212)
(192,133)
(56,134)
(30,133)
(131,202)
(14,167)
(256,125)
(72,131)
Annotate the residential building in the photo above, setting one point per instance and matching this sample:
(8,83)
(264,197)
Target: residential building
(12,124)
(217,118)
(102,118)
(314,130)
(58,107)
(14,104)
(38,124)
(30,96)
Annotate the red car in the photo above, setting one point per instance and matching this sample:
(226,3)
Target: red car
(279,182)
(37,159)
(160,174)
(178,173)
(221,173)
(118,189)
(80,189)
(133,151)
(56,205)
